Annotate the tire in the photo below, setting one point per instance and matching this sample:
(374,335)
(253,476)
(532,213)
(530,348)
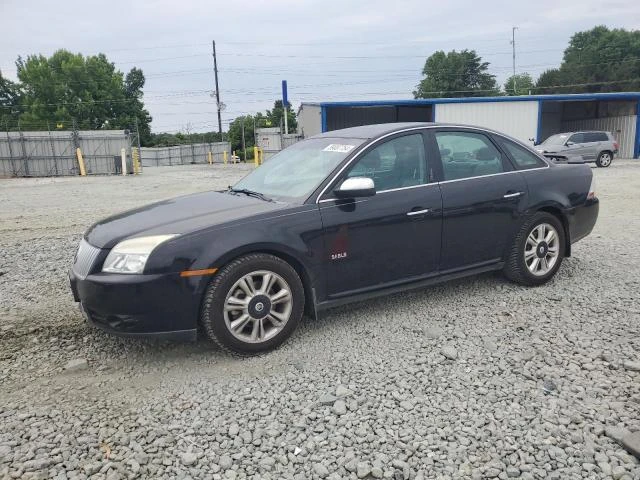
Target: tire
(259,324)
(519,260)
(604,159)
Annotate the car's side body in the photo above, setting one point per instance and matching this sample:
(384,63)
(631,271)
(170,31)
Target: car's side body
(343,249)
(584,145)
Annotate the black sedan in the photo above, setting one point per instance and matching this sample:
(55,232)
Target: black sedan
(342,216)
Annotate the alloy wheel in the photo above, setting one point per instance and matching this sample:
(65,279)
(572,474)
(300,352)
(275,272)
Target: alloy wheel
(258,306)
(542,249)
(605,159)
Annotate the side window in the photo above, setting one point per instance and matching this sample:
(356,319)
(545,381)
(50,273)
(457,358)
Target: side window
(523,158)
(595,137)
(466,154)
(576,138)
(397,163)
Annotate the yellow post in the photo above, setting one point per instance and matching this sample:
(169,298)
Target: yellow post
(224,156)
(261,156)
(256,159)
(210,158)
(136,160)
(233,156)
(83,172)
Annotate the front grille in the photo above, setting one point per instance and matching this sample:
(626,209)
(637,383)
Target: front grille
(85,258)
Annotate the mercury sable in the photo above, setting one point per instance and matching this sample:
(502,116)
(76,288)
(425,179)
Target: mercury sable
(341,216)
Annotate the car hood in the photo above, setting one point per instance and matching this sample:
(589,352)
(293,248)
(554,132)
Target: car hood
(179,215)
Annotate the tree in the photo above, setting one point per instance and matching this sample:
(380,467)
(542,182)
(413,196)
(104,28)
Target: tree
(276,114)
(597,60)
(134,109)
(9,102)
(456,74)
(518,84)
(89,91)
(549,81)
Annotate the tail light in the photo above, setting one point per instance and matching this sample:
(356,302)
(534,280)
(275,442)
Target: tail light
(592,189)
(615,145)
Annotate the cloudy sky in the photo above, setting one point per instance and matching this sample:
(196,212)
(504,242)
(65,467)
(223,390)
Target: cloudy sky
(326,50)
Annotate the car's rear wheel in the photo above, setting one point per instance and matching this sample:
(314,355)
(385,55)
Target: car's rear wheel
(604,159)
(537,251)
(253,304)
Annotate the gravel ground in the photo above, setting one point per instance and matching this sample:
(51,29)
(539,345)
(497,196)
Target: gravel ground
(477,378)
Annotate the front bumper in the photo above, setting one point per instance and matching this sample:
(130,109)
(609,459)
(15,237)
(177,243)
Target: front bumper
(157,306)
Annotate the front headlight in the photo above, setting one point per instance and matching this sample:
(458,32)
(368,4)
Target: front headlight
(130,256)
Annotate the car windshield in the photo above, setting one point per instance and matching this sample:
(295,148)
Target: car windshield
(298,170)
(558,139)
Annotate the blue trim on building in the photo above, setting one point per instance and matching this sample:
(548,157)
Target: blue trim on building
(323,118)
(575,97)
(539,128)
(637,145)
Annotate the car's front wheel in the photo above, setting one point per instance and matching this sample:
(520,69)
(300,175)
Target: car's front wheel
(604,159)
(537,251)
(253,304)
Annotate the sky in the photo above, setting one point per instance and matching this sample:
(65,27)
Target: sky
(326,50)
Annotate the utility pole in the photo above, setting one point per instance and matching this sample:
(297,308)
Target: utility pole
(215,71)
(513,46)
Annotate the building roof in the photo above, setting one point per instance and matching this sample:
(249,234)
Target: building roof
(576,97)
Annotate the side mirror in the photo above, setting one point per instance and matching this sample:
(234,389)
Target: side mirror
(568,144)
(356,187)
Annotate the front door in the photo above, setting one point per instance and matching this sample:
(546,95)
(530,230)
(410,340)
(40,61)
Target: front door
(390,237)
(483,199)
(577,145)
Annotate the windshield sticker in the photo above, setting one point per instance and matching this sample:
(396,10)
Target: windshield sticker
(336,147)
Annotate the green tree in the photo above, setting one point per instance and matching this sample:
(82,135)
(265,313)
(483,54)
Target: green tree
(235,133)
(276,114)
(597,60)
(519,84)
(456,74)
(549,81)
(9,102)
(69,87)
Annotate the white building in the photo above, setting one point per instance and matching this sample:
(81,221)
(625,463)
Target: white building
(530,118)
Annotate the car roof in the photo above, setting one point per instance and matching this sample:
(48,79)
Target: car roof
(368,132)
(582,131)
(372,131)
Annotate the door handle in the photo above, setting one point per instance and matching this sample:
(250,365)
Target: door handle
(512,195)
(418,212)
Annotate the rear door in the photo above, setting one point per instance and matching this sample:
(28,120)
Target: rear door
(392,236)
(595,143)
(483,199)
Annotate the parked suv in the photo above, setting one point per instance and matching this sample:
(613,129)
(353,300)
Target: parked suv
(599,147)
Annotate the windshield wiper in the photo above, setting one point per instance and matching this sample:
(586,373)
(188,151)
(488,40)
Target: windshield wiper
(250,193)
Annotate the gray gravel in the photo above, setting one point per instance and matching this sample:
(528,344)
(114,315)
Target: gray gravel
(447,382)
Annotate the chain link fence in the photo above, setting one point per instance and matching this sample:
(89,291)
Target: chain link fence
(184,154)
(50,154)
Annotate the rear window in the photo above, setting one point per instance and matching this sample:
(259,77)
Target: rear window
(523,158)
(596,137)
